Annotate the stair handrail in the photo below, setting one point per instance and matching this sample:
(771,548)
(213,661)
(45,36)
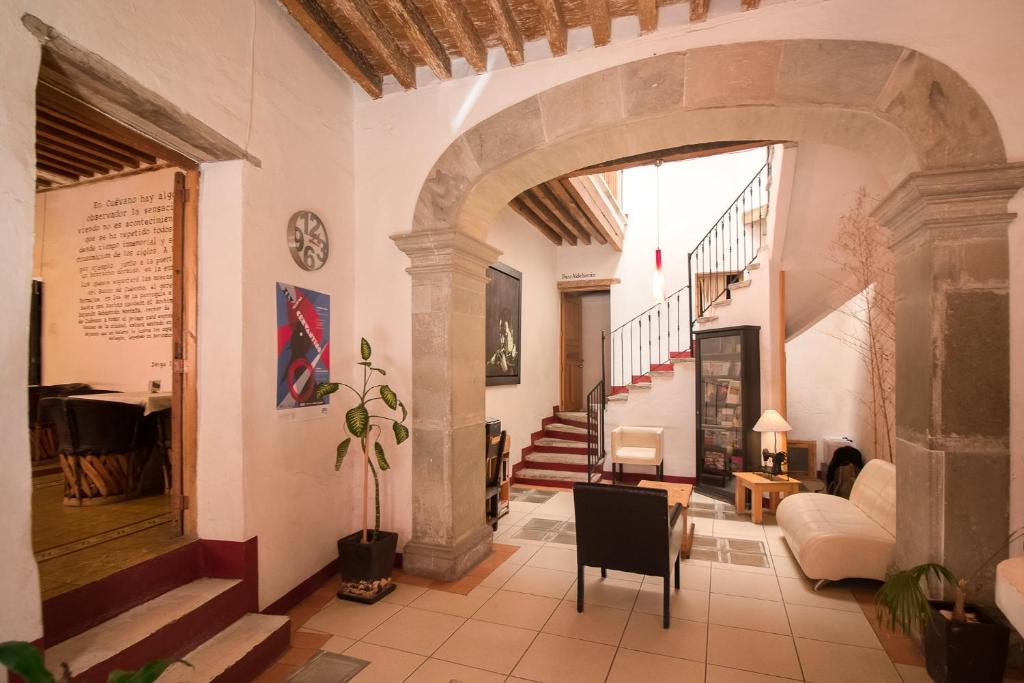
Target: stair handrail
(595,405)
(729,209)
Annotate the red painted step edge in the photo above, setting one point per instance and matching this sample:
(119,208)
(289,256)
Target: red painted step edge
(619,390)
(680,354)
(258,659)
(641,379)
(662,367)
(565,436)
(556,466)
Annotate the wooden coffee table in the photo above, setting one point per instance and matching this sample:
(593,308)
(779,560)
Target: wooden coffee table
(782,485)
(677,493)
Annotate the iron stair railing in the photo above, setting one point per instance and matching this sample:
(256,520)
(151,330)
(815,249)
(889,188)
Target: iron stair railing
(647,340)
(596,400)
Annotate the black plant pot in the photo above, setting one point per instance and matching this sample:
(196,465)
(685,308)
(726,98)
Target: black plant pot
(366,567)
(965,652)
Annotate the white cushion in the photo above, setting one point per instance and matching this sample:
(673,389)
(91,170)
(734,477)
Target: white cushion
(631,455)
(834,538)
(1010,591)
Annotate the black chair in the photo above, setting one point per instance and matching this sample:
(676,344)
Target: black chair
(628,529)
(492,492)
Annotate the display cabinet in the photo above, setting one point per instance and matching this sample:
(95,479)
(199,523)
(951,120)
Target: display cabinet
(728,374)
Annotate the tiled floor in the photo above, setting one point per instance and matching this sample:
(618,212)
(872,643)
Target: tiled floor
(731,623)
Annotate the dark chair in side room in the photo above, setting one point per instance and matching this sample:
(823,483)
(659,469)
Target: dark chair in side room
(42,432)
(102,447)
(628,529)
(492,492)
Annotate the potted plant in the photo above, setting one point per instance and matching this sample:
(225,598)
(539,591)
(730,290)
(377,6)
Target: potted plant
(24,660)
(367,557)
(962,642)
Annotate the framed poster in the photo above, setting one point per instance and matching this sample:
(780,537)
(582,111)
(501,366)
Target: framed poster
(303,346)
(504,303)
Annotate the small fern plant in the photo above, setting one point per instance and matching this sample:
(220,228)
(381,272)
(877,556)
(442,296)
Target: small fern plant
(27,662)
(361,424)
(902,604)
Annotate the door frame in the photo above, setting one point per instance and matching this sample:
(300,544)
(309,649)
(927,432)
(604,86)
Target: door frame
(574,288)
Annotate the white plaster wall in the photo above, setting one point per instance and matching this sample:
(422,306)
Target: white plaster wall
(827,382)
(400,136)
(247,70)
(68,354)
(521,407)
(671,404)
(596,314)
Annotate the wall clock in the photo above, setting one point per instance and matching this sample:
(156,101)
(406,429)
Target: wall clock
(307,240)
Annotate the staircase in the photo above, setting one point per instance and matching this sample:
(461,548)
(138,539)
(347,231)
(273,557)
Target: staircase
(557,454)
(198,612)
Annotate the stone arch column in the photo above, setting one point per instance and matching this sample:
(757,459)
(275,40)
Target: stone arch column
(908,112)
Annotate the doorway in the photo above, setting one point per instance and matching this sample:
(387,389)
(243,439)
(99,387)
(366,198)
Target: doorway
(111,393)
(584,354)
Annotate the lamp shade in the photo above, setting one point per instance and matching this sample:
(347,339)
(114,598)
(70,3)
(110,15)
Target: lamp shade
(771,421)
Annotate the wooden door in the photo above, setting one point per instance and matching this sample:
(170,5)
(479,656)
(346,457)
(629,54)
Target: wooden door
(572,352)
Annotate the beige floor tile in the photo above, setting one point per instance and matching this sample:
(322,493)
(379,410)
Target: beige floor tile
(726,528)
(404,593)
(767,653)
(913,674)
(415,630)
(801,592)
(685,639)
(550,583)
(525,508)
(683,603)
(756,615)
(483,645)
(832,663)
(690,576)
(550,557)
(606,592)
(524,553)
(615,574)
(386,665)
(722,674)
(596,623)
(439,671)
(453,603)
(787,566)
(703,526)
(630,666)
(338,644)
(745,584)
(517,609)
(779,546)
(351,619)
(513,679)
(832,625)
(554,659)
(502,573)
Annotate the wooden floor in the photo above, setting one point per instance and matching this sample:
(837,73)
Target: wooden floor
(77,545)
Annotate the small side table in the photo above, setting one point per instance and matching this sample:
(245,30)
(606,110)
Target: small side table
(781,485)
(677,493)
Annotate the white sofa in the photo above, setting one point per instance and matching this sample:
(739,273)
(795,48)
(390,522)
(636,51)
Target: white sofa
(1010,591)
(834,538)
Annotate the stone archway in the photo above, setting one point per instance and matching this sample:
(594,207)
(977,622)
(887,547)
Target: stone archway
(911,114)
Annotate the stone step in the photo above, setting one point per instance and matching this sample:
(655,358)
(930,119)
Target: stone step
(682,360)
(742,284)
(753,265)
(554,475)
(189,613)
(566,428)
(703,320)
(571,417)
(642,386)
(558,458)
(239,652)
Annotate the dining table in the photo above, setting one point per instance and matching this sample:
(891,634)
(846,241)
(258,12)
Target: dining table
(149,401)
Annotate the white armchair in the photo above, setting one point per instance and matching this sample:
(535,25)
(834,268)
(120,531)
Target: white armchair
(638,446)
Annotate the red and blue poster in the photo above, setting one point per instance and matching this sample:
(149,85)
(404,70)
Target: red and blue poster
(303,345)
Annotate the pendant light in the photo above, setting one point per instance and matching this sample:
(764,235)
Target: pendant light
(658,285)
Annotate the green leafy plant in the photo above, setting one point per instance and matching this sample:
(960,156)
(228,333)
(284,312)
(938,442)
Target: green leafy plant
(361,423)
(902,604)
(26,661)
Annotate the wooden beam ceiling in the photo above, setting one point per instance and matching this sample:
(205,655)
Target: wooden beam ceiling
(371,39)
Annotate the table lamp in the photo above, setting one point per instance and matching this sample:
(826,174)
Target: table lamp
(771,422)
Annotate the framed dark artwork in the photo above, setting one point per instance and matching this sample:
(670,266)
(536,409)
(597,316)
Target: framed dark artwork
(504,307)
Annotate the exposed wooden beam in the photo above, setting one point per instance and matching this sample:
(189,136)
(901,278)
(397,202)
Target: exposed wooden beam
(71,123)
(55,134)
(519,207)
(322,28)
(56,162)
(56,156)
(578,214)
(554,25)
(604,217)
(600,22)
(383,43)
(750,4)
(702,149)
(50,168)
(68,150)
(699,10)
(508,30)
(648,12)
(547,217)
(550,200)
(456,17)
(419,33)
